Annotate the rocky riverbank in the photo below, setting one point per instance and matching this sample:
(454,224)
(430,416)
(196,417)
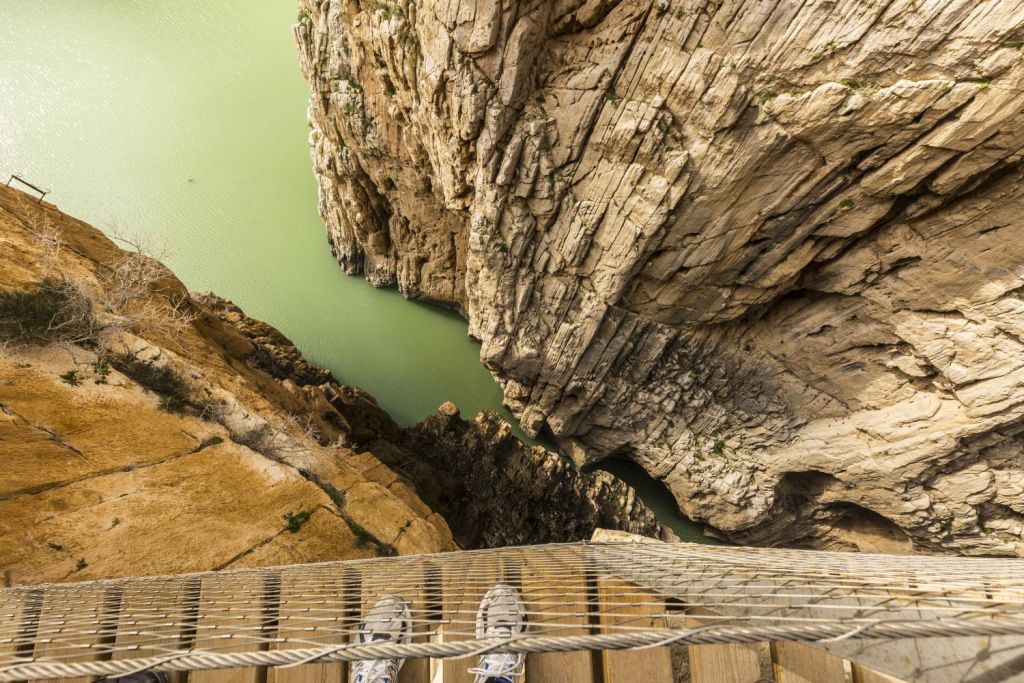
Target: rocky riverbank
(491,488)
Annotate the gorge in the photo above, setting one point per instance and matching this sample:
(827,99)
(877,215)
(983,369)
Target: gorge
(764,253)
(769,251)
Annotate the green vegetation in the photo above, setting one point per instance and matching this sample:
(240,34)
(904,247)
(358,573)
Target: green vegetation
(719,447)
(295,520)
(846,204)
(174,391)
(767,95)
(53,310)
(365,537)
(72,377)
(101,368)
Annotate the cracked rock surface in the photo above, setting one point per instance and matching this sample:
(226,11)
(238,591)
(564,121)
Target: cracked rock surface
(771,251)
(214,444)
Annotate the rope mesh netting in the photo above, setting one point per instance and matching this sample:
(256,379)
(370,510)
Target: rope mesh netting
(577,597)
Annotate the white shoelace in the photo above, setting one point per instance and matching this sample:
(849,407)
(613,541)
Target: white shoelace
(378,671)
(499,664)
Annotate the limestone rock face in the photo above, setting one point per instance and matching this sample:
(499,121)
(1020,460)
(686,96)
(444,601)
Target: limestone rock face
(160,451)
(771,251)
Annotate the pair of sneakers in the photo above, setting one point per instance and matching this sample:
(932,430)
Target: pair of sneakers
(501,615)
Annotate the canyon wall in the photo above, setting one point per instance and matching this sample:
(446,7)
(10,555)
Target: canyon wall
(145,429)
(770,251)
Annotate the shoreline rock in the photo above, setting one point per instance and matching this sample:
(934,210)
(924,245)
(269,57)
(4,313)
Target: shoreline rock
(492,489)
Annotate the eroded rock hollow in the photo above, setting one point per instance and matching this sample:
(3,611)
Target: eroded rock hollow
(771,251)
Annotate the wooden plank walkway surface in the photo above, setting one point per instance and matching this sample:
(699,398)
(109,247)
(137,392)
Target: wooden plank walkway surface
(567,600)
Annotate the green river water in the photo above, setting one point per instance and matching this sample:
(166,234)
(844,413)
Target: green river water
(183,122)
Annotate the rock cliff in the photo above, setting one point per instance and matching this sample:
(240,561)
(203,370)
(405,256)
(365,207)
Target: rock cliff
(770,251)
(148,430)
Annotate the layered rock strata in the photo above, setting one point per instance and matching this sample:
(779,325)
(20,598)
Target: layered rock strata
(146,430)
(770,251)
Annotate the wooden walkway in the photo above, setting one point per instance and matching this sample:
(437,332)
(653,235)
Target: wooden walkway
(199,622)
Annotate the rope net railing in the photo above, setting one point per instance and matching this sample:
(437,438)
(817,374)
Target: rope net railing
(576,597)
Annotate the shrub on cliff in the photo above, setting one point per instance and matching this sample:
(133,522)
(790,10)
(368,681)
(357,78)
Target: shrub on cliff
(56,309)
(175,391)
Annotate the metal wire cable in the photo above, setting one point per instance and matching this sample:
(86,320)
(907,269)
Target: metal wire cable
(575,597)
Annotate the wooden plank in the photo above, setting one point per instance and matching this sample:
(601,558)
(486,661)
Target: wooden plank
(411,587)
(150,621)
(862,674)
(230,619)
(19,613)
(799,663)
(724,664)
(314,613)
(69,627)
(739,663)
(625,604)
(464,585)
(556,599)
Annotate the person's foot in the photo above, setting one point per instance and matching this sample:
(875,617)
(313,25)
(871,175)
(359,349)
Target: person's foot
(501,615)
(389,621)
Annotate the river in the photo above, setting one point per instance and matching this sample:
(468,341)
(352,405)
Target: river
(183,122)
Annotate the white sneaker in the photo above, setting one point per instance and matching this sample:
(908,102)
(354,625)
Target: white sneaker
(388,621)
(501,615)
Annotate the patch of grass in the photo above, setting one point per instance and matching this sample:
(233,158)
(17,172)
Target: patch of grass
(174,391)
(72,377)
(719,447)
(293,521)
(846,204)
(53,310)
(363,537)
(767,95)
